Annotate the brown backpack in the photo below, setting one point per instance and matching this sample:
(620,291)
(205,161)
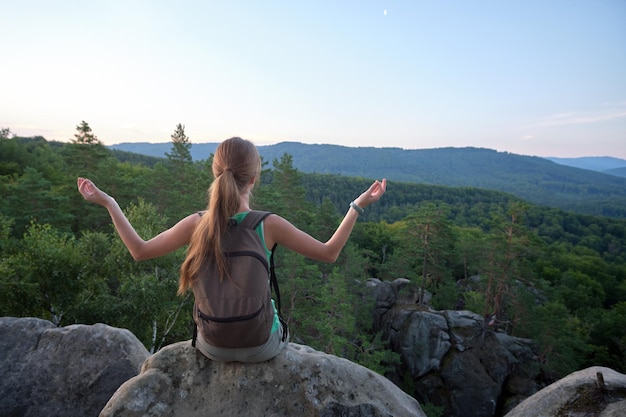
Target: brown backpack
(237,311)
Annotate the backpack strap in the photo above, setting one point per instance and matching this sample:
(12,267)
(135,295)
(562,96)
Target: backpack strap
(195,333)
(252,220)
(274,285)
(274,280)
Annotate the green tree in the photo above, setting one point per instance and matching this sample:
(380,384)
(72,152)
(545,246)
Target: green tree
(469,248)
(17,297)
(608,337)
(32,196)
(299,282)
(288,193)
(509,248)
(149,305)
(11,154)
(580,292)
(181,182)
(562,338)
(325,221)
(180,155)
(376,240)
(424,248)
(98,300)
(85,152)
(432,230)
(44,271)
(84,135)
(335,323)
(5,133)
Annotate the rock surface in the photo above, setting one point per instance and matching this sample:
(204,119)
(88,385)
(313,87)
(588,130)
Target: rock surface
(179,381)
(452,360)
(578,394)
(69,371)
(73,371)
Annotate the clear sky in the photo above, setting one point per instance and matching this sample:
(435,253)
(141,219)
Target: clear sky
(533,77)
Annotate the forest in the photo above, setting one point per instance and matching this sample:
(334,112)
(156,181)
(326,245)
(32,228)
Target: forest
(536,180)
(553,276)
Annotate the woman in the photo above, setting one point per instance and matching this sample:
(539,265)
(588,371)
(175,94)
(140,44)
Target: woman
(236,168)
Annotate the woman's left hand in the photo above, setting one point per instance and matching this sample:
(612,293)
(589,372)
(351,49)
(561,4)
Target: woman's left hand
(372,194)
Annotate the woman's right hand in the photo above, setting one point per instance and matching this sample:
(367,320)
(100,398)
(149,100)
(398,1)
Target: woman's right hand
(91,193)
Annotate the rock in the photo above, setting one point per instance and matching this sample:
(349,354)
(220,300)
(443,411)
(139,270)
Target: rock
(452,361)
(421,338)
(67,371)
(617,409)
(474,377)
(179,381)
(463,325)
(578,394)
(388,293)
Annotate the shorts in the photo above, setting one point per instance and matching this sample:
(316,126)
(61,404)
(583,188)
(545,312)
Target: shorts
(274,345)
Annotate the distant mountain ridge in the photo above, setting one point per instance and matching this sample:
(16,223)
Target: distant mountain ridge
(606,164)
(537,180)
(199,151)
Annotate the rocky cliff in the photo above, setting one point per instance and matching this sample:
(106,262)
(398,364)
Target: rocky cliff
(450,358)
(75,371)
(454,361)
(179,381)
(69,371)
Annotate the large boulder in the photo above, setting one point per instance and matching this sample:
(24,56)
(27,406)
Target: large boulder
(179,381)
(67,371)
(450,358)
(595,391)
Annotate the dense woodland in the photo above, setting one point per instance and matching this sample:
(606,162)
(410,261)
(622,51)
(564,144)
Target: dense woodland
(535,272)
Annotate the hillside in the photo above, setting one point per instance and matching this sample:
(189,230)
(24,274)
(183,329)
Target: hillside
(534,179)
(619,172)
(605,164)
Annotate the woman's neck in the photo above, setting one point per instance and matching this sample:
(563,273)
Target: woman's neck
(244,202)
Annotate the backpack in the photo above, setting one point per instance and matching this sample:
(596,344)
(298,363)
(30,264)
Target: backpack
(237,311)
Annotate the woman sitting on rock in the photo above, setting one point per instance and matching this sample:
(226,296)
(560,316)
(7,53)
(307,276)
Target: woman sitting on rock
(236,169)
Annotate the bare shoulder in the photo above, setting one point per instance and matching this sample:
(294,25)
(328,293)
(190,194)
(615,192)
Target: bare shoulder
(275,222)
(193,219)
(187,225)
(279,230)
(275,226)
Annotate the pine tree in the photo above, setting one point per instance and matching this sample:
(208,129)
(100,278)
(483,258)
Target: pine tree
(86,152)
(290,194)
(85,136)
(181,148)
(507,259)
(5,133)
(186,193)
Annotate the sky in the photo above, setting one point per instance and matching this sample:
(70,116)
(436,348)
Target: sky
(531,77)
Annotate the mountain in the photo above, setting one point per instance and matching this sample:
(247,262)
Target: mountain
(618,172)
(160,149)
(536,180)
(606,164)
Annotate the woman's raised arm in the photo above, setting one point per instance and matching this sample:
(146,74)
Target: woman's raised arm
(162,244)
(278,230)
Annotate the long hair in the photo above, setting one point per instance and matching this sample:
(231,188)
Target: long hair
(235,163)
